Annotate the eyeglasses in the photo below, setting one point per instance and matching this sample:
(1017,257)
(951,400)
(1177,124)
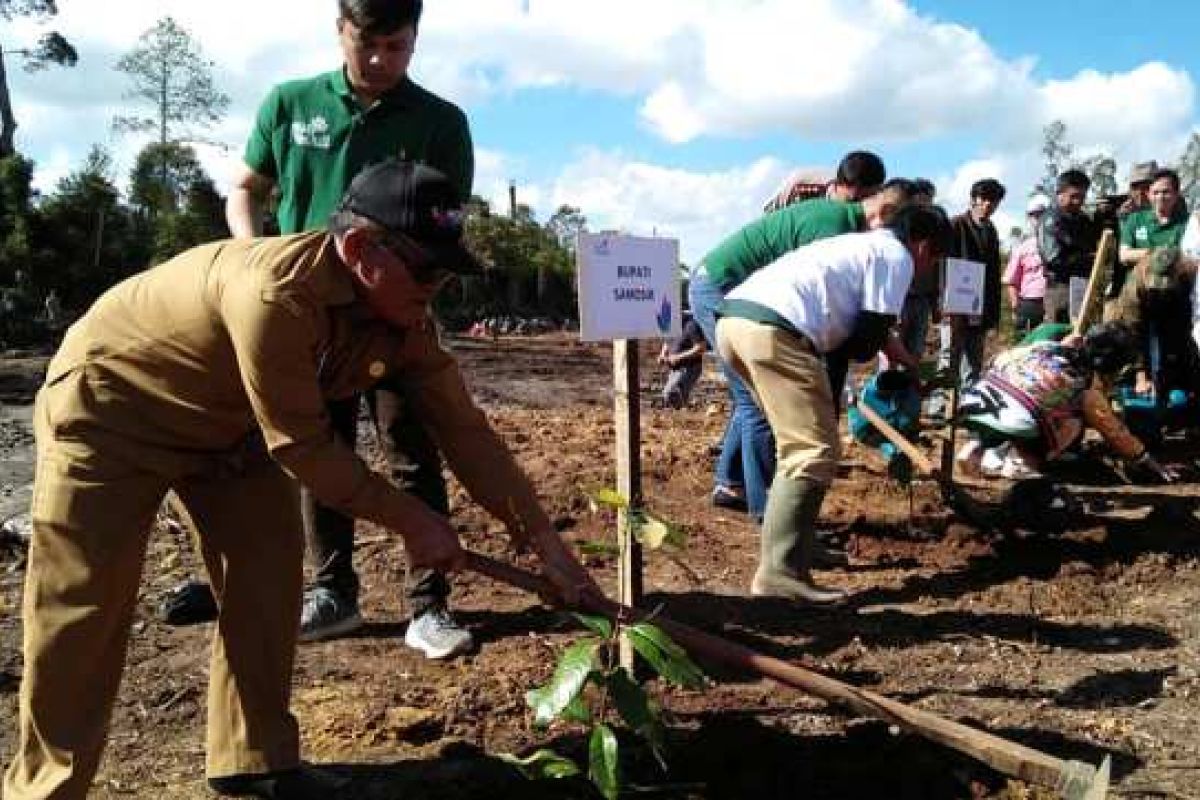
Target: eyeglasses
(420,267)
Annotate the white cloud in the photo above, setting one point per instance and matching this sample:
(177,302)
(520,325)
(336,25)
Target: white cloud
(1134,116)
(616,192)
(620,46)
(850,70)
(859,72)
(493,173)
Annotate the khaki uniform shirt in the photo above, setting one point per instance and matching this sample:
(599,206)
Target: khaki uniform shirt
(195,354)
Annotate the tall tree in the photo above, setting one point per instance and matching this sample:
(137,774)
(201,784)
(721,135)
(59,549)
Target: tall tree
(16,178)
(176,199)
(200,219)
(566,224)
(531,272)
(161,177)
(1189,172)
(1102,170)
(86,239)
(169,72)
(51,48)
(1056,154)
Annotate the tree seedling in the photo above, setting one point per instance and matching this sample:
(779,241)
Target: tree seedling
(651,531)
(589,688)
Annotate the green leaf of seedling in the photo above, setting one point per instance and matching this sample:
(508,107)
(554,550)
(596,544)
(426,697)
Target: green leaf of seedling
(629,698)
(570,675)
(667,658)
(654,532)
(601,626)
(636,710)
(592,547)
(602,761)
(609,498)
(542,764)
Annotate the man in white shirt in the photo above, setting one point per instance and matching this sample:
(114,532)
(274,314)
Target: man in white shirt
(835,295)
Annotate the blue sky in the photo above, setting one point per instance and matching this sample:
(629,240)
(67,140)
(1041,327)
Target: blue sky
(681,116)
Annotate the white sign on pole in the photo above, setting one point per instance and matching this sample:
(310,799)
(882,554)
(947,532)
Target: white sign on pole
(628,287)
(962,289)
(1076,292)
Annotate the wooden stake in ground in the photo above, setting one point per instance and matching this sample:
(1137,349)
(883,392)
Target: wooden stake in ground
(951,441)
(628,290)
(1101,272)
(627,412)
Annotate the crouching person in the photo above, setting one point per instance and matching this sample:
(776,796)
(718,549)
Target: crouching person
(1035,401)
(893,395)
(835,295)
(684,360)
(168,382)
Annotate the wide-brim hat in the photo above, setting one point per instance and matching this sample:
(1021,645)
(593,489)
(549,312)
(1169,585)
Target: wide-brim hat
(1037,204)
(1143,172)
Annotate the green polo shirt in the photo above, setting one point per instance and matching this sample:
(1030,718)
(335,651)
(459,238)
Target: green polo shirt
(778,233)
(1142,229)
(1046,332)
(312,137)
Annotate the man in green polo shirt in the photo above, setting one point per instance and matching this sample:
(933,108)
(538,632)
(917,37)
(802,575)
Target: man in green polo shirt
(1159,225)
(311,137)
(772,235)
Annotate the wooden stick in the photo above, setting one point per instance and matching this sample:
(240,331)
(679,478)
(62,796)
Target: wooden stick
(1073,779)
(956,356)
(919,459)
(627,417)
(1100,275)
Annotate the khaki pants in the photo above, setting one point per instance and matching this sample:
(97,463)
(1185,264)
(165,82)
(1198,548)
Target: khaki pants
(95,497)
(791,386)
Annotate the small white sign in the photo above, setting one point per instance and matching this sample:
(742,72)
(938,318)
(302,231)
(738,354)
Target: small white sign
(628,287)
(1076,292)
(962,291)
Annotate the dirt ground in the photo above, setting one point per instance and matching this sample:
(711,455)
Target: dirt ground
(1082,645)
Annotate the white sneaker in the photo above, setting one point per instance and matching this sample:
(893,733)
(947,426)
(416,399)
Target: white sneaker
(436,634)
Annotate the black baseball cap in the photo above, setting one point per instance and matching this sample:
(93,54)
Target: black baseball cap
(417,201)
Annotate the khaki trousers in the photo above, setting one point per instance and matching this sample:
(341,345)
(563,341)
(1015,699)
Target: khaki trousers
(95,497)
(791,386)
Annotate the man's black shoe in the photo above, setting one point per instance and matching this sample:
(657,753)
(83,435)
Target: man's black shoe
(301,783)
(723,497)
(189,604)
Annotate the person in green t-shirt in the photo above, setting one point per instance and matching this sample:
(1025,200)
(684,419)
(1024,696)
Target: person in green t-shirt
(1160,225)
(311,137)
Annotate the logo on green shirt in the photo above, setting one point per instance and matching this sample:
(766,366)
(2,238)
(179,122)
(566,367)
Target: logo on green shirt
(314,133)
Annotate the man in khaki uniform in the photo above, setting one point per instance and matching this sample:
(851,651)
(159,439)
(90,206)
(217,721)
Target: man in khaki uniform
(209,375)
